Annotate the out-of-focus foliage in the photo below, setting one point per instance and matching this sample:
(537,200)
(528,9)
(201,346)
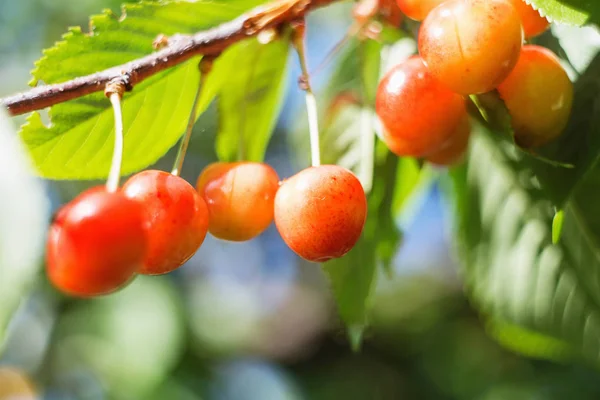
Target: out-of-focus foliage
(23,222)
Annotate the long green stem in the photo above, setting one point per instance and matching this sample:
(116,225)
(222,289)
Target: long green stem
(311,103)
(185,140)
(112,183)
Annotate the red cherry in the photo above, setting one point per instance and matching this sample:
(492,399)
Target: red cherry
(240,198)
(176,219)
(452,153)
(533,22)
(320,212)
(418,9)
(418,113)
(96,244)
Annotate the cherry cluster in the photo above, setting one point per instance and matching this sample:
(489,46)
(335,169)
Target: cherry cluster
(470,47)
(156,221)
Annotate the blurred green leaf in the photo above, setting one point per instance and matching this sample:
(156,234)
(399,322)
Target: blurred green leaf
(570,12)
(78,144)
(557,226)
(24,214)
(131,339)
(251,98)
(528,343)
(513,271)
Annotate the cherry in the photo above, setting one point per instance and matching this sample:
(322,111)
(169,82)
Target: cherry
(453,152)
(471,45)
(389,11)
(320,212)
(418,9)
(417,112)
(96,243)
(240,198)
(365,10)
(533,23)
(538,94)
(176,219)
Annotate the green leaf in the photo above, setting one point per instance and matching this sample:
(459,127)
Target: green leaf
(528,343)
(78,142)
(513,272)
(557,225)
(570,12)
(251,98)
(24,214)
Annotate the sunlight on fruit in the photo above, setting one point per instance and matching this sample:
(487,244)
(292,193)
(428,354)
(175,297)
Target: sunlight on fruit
(539,95)
(455,39)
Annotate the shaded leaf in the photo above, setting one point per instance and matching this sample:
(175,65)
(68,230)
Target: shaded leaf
(513,272)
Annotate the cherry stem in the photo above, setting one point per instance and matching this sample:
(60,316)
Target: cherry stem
(114,90)
(298,36)
(204,67)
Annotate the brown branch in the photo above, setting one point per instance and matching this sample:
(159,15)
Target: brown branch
(210,42)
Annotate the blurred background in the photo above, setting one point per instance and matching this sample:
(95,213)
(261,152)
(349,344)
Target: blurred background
(251,321)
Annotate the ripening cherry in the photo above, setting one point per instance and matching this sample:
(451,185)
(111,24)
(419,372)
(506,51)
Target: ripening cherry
(365,10)
(417,112)
(239,197)
(417,9)
(96,243)
(538,94)
(471,45)
(389,11)
(531,19)
(453,152)
(176,219)
(320,212)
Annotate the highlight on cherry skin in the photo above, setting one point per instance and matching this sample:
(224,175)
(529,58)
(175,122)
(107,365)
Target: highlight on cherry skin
(96,243)
(471,45)
(175,216)
(320,212)
(533,22)
(418,9)
(539,96)
(240,198)
(419,114)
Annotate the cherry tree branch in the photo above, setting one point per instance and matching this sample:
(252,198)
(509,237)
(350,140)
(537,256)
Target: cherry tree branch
(209,42)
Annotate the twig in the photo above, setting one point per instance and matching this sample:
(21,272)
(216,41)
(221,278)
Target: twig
(209,42)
